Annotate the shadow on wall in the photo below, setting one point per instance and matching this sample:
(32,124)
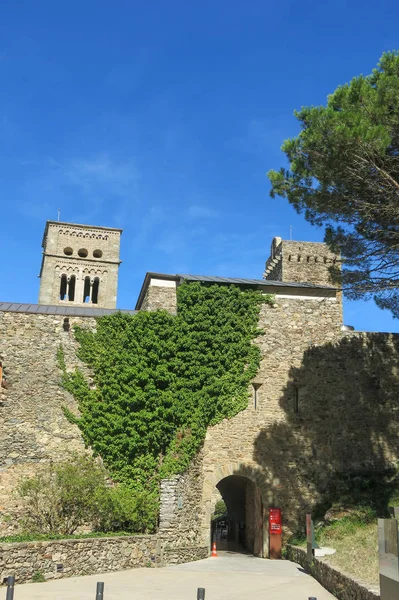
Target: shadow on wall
(339,441)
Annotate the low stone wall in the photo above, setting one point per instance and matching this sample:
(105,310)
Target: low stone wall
(175,556)
(66,558)
(340,585)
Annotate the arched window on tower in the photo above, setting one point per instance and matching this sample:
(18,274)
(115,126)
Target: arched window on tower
(94,291)
(63,287)
(86,290)
(71,288)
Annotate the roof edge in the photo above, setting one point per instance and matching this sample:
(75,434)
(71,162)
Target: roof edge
(256,282)
(62,310)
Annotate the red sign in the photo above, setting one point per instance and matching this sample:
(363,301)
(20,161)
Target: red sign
(275,522)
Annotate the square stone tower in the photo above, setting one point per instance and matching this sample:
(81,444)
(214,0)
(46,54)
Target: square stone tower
(301,262)
(80,265)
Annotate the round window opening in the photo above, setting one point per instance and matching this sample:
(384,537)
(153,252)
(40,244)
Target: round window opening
(82,252)
(68,251)
(97,254)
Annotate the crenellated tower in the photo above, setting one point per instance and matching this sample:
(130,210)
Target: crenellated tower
(300,262)
(80,265)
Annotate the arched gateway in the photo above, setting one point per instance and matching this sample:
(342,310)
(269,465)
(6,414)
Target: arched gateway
(247,497)
(188,501)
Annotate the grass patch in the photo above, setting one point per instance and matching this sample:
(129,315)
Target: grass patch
(299,539)
(356,546)
(355,539)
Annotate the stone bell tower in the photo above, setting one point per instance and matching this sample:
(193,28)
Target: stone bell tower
(80,265)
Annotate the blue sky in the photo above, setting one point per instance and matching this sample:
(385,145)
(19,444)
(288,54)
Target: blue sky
(163,118)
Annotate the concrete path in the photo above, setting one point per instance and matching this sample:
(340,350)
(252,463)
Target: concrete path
(229,577)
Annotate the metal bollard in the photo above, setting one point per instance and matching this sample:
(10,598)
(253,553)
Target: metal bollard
(100,591)
(10,587)
(201,594)
(312,598)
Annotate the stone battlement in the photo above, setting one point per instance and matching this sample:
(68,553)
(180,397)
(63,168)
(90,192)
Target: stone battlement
(302,262)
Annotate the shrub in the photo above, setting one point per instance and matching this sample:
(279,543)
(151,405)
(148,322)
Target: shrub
(124,509)
(61,498)
(71,494)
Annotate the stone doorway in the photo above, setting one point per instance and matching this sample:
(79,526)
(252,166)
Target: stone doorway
(240,529)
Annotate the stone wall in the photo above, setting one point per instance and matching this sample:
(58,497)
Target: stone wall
(158,297)
(181,515)
(327,406)
(302,262)
(342,586)
(33,428)
(250,510)
(67,558)
(349,390)
(3,383)
(262,442)
(78,557)
(182,554)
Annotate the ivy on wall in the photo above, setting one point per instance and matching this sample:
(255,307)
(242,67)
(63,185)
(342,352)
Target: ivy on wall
(160,380)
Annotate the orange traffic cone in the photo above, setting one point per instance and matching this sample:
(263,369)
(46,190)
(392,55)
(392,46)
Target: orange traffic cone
(214,553)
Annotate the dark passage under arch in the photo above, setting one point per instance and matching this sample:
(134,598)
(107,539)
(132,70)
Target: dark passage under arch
(241,529)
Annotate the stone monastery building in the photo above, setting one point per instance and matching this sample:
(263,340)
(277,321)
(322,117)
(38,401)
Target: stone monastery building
(322,409)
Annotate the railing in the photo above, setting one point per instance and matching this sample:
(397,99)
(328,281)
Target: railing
(99,590)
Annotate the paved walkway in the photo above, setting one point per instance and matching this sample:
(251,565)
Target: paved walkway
(228,577)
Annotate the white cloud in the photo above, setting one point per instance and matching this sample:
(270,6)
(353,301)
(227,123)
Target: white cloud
(81,187)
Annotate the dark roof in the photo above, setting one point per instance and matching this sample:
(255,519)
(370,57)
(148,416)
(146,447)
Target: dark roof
(68,311)
(262,282)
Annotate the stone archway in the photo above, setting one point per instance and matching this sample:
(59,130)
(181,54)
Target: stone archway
(247,496)
(242,526)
